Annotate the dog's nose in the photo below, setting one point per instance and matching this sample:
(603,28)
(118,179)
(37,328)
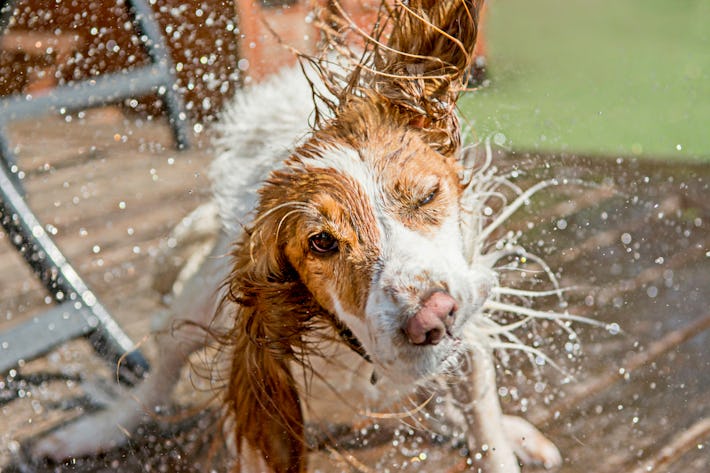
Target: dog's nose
(429,325)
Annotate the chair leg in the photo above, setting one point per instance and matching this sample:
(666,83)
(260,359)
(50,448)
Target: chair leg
(63,282)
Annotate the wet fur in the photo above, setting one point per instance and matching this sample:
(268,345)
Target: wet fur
(404,92)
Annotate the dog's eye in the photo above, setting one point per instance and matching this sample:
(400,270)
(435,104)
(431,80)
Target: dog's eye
(323,243)
(428,198)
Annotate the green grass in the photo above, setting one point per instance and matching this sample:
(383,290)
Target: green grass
(612,77)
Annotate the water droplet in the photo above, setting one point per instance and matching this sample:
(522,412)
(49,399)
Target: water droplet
(499,139)
(13,446)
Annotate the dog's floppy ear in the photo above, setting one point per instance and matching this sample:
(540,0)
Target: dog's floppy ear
(263,400)
(262,397)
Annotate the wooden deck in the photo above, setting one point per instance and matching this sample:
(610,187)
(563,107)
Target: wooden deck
(111,187)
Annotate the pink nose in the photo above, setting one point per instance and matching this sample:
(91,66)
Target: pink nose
(429,325)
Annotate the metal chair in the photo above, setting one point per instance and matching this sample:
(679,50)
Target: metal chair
(78,312)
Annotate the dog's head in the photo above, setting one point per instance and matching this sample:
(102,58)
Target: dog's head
(360,228)
(366,218)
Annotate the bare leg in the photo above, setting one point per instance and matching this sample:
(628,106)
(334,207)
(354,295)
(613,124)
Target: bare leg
(112,427)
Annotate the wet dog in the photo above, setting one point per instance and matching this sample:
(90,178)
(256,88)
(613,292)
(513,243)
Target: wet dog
(357,246)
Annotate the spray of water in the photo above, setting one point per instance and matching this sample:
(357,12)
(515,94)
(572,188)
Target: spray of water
(509,309)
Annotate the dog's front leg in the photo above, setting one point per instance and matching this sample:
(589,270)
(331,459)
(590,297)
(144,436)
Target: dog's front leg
(476,395)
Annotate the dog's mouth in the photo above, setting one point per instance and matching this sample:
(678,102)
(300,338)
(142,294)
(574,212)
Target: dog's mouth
(443,359)
(451,358)
(418,362)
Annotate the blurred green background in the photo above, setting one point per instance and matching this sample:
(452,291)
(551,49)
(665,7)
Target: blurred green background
(598,77)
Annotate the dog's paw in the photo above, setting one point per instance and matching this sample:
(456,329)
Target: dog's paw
(529,444)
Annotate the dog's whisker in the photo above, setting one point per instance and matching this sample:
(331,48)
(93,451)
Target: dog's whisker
(514,339)
(486,194)
(276,208)
(286,216)
(405,414)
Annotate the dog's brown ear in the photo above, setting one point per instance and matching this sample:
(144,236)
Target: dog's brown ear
(262,398)
(262,401)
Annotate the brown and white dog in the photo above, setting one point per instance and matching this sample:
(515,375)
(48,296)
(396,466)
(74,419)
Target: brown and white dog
(360,247)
